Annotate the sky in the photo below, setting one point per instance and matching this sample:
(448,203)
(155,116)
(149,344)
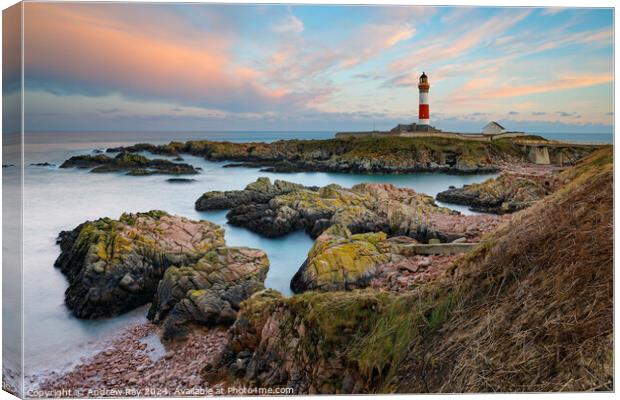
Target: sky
(104,66)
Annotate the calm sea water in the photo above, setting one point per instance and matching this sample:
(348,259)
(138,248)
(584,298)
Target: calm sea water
(60,199)
(606,138)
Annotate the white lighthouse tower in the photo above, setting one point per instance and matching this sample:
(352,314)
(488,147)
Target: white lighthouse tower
(424,111)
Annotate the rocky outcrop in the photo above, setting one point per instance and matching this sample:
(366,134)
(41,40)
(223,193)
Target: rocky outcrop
(180,180)
(339,260)
(132,164)
(208,292)
(505,194)
(311,342)
(258,192)
(114,266)
(362,208)
(358,230)
(358,155)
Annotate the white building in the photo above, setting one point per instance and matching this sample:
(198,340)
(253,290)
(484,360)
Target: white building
(493,128)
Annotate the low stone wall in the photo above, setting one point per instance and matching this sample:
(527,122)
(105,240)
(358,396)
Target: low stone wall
(433,249)
(452,135)
(507,135)
(478,137)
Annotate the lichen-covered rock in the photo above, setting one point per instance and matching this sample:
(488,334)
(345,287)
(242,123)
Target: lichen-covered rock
(353,226)
(504,194)
(362,208)
(132,164)
(340,260)
(330,343)
(209,291)
(258,192)
(114,266)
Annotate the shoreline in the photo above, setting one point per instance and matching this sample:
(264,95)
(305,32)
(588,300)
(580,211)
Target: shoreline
(136,363)
(372,155)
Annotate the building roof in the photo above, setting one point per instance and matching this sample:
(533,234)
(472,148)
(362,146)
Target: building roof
(493,123)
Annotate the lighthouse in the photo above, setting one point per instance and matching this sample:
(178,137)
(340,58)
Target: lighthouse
(424,112)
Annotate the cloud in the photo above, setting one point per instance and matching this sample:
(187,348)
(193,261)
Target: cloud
(373,77)
(562,83)
(513,113)
(456,42)
(539,113)
(289,24)
(536,42)
(566,114)
(11,49)
(402,80)
(109,110)
(306,66)
(491,91)
(119,57)
(370,41)
(393,38)
(551,10)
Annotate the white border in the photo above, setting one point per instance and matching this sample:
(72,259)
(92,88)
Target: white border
(539,3)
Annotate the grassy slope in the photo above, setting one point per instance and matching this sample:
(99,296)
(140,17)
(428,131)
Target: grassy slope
(535,302)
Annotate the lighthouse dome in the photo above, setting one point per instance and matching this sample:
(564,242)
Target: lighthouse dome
(423,84)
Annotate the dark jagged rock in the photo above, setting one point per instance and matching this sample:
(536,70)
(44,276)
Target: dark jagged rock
(42,164)
(363,208)
(114,266)
(7,165)
(171,149)
(243,165)
(259,192)
(208,292)
(132,164)
(180,180)
(87,161)
(504,194)
(301,343)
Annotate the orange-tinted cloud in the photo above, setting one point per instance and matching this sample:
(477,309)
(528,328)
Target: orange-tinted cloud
(563,83)
(487,88)
(450,46)
(95,49)
(11,48)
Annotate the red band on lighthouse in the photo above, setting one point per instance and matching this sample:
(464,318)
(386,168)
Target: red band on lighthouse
(424,111)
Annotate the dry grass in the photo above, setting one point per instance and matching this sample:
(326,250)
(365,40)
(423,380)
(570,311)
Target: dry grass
(535,304)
